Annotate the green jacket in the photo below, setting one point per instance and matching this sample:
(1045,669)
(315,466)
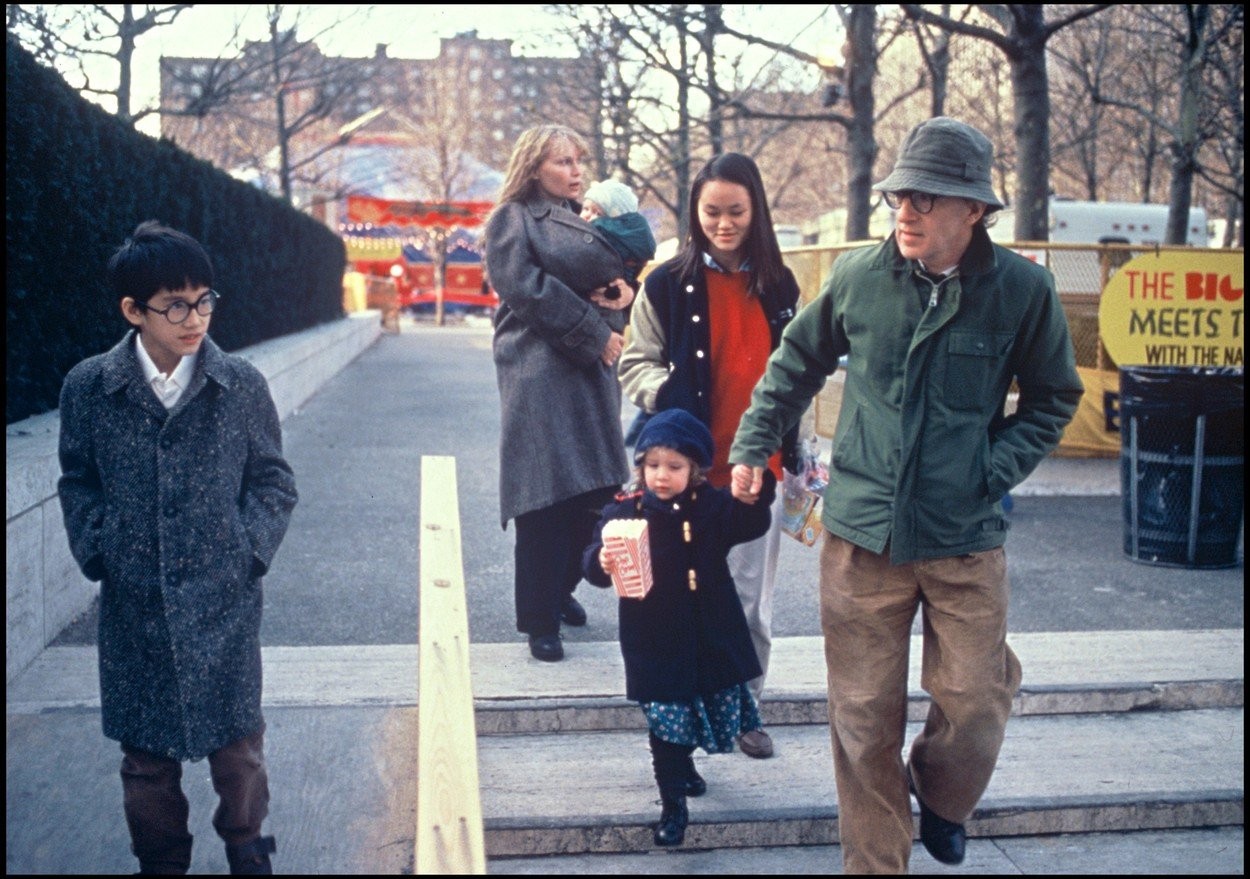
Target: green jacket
(923,453)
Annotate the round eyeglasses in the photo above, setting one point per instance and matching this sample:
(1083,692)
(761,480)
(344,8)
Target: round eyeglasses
(179,310)
(921,202)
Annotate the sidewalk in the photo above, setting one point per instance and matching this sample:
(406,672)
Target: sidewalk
(340,631)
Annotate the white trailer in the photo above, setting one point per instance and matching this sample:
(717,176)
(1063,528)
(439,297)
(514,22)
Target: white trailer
(1107,222)
(1119,222)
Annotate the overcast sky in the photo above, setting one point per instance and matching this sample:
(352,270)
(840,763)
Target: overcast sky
(414,30)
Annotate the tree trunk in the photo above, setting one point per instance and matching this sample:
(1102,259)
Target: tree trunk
(715,122)
(861,70)
(1185,149)
(1031,107)
(682,159)
(125,60)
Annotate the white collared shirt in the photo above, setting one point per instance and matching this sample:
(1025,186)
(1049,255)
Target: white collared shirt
(168,388)
(713,264)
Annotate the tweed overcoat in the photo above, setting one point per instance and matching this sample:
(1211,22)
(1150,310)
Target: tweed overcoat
(679,642)
(177,513)
(560,403)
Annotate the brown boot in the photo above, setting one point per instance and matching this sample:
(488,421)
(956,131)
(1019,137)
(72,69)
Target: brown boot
(251,858)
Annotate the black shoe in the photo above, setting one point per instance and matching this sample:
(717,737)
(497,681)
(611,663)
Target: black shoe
(546,647)
(573,613)
(673,818)
(945,840)
(251,858)
(695,785)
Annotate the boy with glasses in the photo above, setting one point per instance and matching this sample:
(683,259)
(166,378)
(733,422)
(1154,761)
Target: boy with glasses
(935,323)
(176,496)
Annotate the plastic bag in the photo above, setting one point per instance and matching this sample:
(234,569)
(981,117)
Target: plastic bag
(802,494)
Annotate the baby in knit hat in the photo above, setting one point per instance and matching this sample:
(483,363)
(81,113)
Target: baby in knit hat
(612,208)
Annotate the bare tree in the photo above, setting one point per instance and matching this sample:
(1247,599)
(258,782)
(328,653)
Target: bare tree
(1225,170)
(1021,35)
(1086,56)
(278,99)
(1205,39)
(69,37)
(935,51)
(865,45)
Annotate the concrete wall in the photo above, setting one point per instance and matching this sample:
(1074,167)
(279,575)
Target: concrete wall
(44,590)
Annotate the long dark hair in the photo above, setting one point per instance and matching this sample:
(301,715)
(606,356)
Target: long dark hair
(761,242)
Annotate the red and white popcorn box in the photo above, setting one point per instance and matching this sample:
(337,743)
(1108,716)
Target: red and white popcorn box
(626,540)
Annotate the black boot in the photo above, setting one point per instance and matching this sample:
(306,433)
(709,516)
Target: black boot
(173,859)
(695,785)
(251,858)
(673,819)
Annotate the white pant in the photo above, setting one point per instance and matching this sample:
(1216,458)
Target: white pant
(754,569)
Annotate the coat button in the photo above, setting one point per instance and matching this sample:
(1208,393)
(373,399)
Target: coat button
(588,238)
(166,443)
(695,318)
(171,578)
(698,354)
(690,288)
(171,511)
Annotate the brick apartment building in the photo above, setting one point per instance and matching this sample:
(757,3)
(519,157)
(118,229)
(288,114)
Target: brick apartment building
(474,98)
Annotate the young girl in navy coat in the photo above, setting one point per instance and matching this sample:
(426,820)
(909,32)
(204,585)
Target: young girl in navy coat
(687,649)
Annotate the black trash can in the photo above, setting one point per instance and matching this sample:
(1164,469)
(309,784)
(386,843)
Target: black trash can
(1182,464)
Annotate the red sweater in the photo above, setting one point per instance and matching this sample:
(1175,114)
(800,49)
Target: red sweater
(740,348)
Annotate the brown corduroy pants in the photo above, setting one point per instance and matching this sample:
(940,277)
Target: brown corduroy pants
(157,809)
(867,609)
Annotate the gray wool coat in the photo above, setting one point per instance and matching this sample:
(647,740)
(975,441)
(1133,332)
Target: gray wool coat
(561,405)
(178,514)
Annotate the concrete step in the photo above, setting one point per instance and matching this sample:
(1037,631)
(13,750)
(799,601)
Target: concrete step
(1064,673)
(593,792)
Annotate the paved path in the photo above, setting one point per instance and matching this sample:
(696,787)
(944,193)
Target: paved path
(341,619)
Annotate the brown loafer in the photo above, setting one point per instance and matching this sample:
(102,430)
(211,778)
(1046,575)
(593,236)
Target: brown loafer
(756,743)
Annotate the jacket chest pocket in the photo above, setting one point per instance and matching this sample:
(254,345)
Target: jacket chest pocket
(974,362)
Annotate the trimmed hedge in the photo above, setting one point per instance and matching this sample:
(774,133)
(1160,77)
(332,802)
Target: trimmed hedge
(78,181)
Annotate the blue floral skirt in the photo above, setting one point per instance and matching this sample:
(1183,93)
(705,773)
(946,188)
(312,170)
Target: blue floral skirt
(711,723)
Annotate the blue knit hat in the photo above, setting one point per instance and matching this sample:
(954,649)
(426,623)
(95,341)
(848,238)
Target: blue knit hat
(676,429)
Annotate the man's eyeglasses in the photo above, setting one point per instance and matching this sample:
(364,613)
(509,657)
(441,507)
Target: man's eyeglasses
(179,310)
(921,202)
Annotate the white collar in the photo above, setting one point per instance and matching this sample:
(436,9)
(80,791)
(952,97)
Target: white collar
(181,376)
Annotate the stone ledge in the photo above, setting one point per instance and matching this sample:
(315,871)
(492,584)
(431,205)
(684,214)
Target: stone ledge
(43,587)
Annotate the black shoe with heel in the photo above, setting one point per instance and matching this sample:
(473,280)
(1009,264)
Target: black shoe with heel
(695,785)
(251,858)
(673,819)
(945,840)
(573,614)
(546,647)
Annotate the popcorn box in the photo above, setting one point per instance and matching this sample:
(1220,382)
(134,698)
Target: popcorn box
(627,541)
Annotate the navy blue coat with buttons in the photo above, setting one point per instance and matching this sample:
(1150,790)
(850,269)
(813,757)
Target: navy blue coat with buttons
(177,513)
(679,642)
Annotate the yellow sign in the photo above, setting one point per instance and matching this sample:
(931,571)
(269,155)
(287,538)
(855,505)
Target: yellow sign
(1176,308)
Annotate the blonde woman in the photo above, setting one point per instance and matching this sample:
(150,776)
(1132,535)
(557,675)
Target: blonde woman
(557,340)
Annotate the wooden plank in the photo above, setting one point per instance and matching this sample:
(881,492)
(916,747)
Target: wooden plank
(449,836)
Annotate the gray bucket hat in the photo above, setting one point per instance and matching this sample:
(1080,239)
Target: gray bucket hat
(943,156)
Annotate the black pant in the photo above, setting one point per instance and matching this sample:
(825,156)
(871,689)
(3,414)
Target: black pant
(673,766)
(549,547)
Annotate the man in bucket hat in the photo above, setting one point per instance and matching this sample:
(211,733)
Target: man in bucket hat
(936,323)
